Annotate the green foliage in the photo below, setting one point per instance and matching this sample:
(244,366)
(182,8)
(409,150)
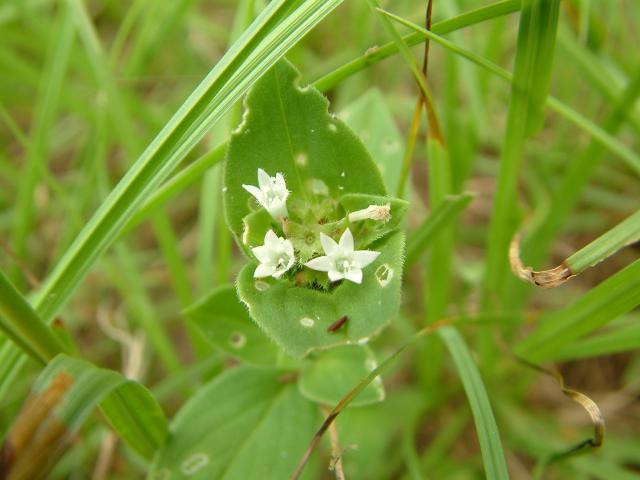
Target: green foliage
(485,422)
(297,318)
(131,410)
(288,129)
(225,323)
(111,210)
(372,120)
(328,376)
(618,294)
(247,423)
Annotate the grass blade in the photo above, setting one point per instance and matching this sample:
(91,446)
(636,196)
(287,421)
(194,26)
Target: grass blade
(618,294)
(51,86)
(64,395)
(486,427)
(600,136)
(21,324)
(622,235)
(533,38)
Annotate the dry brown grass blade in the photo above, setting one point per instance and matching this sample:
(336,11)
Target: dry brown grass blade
(551,278)
(597,419)
(37,438)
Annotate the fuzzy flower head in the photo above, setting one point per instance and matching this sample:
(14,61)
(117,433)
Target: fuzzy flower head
(271,193)
(275,256)
(341,260)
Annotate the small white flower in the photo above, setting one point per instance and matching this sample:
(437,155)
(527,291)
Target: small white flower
(275,256)
(372,212)
(271,193)
(341,261)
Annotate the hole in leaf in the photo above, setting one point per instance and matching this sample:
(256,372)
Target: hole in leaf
(237,340)
(307,322)
(384,275)
(194,463)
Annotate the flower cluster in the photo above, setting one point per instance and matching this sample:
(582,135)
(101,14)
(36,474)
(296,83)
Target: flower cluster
(277,256)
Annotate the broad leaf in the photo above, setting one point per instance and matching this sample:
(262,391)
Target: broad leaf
(298,318)
(287,129)
(225,323)
(247,423)
(330,376)
(370,117)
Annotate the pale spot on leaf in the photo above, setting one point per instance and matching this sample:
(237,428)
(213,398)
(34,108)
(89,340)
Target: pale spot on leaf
(195,462)
(301,159)
(307,322)
(384,275)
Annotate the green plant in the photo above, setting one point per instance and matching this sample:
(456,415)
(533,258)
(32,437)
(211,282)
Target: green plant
(294,286)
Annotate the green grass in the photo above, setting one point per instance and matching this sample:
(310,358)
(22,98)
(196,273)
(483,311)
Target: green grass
(118,304)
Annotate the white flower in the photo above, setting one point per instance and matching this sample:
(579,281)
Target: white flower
(272,193)
(275,256)
(341,261)
(372,212)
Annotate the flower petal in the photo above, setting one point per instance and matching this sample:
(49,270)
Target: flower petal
(264,180)
(346,241)
(364,257)
(335,275)
(278,209)
(262,253)
(328,244)
(355,275)
(256,192)
(281,184)
(271,241)
(322,264)
(288,249)
(263,270)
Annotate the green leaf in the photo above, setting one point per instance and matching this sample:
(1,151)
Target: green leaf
(287,128)
(64,395)
(330,375)
(536,35)
(22,325)
(366,449)
(485,422)
(245,424)
(225,323)
(621,339)
(616,295)
(370,118)
(297,318)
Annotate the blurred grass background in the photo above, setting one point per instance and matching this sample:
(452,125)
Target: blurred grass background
(81,96)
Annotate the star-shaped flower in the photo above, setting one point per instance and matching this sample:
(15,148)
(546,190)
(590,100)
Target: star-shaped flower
(275,256)
(341,260)
(271,193)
